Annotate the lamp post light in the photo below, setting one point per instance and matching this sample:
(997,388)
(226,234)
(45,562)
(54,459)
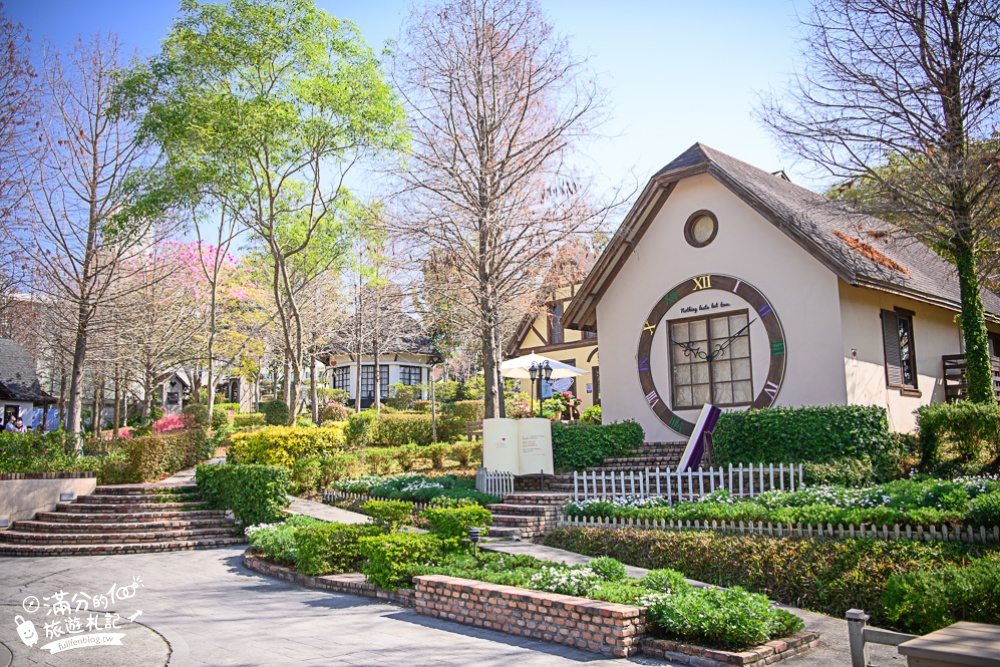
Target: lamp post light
(474,538)
(545,373)
(533,373)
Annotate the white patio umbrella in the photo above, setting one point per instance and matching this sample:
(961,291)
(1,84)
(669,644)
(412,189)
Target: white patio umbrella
(518,367)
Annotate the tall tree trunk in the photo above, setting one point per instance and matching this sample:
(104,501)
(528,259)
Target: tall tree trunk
(95,421)
(211,346)
(978,369)
(286,382)
(313,393)
(62,396)
(118,406)
(376,374)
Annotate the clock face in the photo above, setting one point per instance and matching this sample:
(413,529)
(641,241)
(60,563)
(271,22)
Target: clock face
(709,351)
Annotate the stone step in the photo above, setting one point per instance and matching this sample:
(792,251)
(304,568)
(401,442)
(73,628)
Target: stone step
(636,463)
(517,520)
(143,489)
(35,526)
(504,533)
(134,498)
(70,539)
(122,508)
(525,510)
(35,550)
(105,517)
(537,498)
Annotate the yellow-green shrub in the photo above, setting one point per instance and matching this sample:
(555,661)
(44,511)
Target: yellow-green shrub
(283,445)
(248,419)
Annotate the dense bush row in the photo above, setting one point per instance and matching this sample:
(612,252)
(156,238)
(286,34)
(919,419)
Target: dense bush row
(810,434)
(416,488)
(283,445)
(255,493)
(959,438)
(371,429)
(971,502)
(828,576)
(579,446)
(126,460)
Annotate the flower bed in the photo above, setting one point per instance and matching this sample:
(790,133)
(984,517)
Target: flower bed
(972,502)
(415,488)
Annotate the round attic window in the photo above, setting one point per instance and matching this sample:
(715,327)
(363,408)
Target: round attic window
(701,228)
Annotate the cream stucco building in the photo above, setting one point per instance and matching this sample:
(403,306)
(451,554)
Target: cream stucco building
(727,284)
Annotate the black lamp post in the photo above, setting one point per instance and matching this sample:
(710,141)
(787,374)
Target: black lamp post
(533,373)
(544,373)
(474,538)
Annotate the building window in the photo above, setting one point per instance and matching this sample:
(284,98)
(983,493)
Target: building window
(555,323)
(368,381)
(900,355)
(411,375)
(342,378)
(701,228)
(710,361)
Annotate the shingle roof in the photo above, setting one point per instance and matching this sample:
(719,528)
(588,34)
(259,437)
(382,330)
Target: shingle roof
(18,379)
(861,249)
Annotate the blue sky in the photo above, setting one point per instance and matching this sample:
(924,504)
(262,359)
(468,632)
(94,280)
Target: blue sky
(676,71)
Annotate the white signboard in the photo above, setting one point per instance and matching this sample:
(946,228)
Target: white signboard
(522,446)
(500,445)
(535,446)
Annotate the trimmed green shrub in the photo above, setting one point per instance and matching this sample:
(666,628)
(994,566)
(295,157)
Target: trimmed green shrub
(305,476)
(464,451)
(839,472)
(221,418)
(197,415)
(620,592)
(925,601)
(378,461)
(152,457)
(959,435)
(248,420)
(401,396)
(334,412)
(283,445)
(665,581)
(608,569)
(255,493)
(437,453)
(828,576)
(422,406)
(331,548)
(406,456)
(234,407)
(579,446)
(360,429)
(732,619)
(388,514)
(816,434)
(393,430)
(276,542)
(984,510)
(391,558)
(338,467)
(454,522)
(275,412)
(468,411)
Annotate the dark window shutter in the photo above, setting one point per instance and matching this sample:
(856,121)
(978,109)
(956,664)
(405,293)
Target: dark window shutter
(890,338)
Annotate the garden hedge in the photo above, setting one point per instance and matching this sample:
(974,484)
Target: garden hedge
(248,419)
(276,412)
(255,493)
(579,446)
(283,445)
(925,601)
(827,576)
(367,428)
(810,434)
(959,437)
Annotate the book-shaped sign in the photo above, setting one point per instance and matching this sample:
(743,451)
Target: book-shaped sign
(695,449)
(518,446)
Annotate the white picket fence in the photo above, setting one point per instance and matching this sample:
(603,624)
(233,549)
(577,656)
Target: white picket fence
(943,533)
(494,482)
(743,481)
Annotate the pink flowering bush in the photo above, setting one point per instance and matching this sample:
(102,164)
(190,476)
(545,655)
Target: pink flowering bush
(169,423)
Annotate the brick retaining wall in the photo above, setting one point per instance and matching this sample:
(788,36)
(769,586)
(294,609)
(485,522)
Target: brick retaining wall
(603,627)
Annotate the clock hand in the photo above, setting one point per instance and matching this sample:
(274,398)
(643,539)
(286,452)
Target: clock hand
(721,347)
(690,350)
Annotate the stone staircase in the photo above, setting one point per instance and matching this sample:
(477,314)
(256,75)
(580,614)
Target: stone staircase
(527,514)
(123,519)
(646,455)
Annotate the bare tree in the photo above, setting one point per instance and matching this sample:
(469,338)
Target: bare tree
(78,189)
(17,107)
(497,103)
(902,96)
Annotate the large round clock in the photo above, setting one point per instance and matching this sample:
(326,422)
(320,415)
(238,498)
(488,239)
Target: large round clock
(709,353)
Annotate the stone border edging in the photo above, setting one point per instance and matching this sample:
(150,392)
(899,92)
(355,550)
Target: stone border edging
(9,476)
(591,625)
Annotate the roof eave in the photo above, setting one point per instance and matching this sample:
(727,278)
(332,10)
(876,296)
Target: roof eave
(917,295)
